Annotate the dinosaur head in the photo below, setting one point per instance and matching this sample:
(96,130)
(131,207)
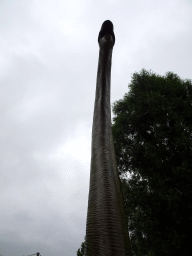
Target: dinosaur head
(107,28)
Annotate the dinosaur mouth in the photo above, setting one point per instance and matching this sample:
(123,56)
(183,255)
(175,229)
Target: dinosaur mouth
(107,28)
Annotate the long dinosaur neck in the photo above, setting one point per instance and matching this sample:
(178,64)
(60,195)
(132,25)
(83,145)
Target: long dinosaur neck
(102,110)
(106,230)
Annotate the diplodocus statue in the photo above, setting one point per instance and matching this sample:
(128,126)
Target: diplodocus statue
(106,227)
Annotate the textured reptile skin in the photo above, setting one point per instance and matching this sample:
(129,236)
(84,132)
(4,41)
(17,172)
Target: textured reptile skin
(106,229)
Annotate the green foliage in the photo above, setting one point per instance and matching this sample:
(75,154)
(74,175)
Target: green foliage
(152,131)
(81,250)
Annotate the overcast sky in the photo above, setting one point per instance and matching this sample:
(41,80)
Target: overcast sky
(48,66)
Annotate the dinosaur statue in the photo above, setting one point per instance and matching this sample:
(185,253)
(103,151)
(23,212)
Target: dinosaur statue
(106,227)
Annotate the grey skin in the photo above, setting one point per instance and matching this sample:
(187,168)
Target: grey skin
(106,228)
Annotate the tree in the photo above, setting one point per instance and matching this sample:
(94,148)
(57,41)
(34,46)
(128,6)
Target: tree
(152,131)
(81,251)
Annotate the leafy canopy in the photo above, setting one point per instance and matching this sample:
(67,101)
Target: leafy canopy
(152,131)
